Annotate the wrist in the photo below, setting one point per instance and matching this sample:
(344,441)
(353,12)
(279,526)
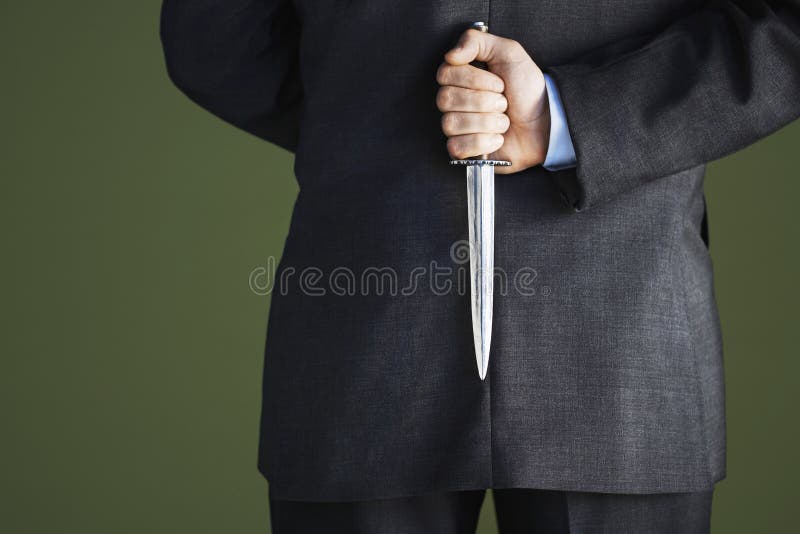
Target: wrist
(534,140)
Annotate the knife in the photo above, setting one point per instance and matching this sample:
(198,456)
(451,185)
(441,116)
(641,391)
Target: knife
(480,210)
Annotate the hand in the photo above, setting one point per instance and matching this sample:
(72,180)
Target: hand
(502,112)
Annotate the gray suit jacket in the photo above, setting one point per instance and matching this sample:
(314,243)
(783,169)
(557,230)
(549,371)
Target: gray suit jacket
(606,371)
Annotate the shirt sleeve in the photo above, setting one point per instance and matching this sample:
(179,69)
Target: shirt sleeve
(560,152)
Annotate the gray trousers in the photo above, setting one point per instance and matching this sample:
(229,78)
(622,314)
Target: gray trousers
(518,511)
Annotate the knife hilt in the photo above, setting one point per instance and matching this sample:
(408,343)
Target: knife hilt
(483,159)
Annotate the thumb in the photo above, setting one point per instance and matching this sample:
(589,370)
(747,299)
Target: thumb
(475,45)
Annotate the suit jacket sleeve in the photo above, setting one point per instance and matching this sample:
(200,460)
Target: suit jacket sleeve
(708,84)
(239,60)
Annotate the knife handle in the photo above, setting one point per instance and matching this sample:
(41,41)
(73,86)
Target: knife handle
(484,27)
(483,159)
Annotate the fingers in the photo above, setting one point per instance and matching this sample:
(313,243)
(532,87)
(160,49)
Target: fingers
(469,77)
(470,145)
(471,98)
(459,123)
(476,45)
(450,98)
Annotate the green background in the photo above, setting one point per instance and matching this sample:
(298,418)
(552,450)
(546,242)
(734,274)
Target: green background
(132,344)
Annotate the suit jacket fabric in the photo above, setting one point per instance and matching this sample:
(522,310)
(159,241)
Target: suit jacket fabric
(606,371)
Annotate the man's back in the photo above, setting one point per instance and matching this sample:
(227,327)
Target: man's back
(606,371)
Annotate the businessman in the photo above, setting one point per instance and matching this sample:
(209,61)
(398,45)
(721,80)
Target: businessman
(603,406)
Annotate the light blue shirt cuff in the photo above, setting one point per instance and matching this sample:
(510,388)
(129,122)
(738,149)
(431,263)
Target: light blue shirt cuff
(560,152)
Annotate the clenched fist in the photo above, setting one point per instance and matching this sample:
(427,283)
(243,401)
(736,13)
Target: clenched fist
(502,112)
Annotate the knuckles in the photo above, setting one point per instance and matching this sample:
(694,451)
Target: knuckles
(450,123)
(516,51)
(443,73)
(455,149)
(445,98)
